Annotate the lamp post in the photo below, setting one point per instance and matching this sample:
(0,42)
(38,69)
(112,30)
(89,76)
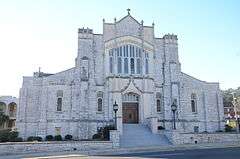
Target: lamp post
(174,108)
(115,109)
(235,111)
(238,121)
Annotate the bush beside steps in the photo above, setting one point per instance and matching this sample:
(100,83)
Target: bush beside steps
(9,136)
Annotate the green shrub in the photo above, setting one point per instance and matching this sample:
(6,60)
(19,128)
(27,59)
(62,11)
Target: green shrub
(106,131)
(13,135)
(49,138)
(34,138)
(96,136)
(228,128)
(17,139)
(38,138)
(58,138)
(68,137)
(4,135)
(30,138)
(8,135)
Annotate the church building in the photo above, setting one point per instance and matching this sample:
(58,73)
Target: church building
(127,65)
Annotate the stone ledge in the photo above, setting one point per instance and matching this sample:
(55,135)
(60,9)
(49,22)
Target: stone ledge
(51,142)
(55,146)
(177,138)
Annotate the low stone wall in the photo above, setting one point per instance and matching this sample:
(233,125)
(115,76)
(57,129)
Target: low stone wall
(58,146)
(115,138)
(54,146)
(195,138)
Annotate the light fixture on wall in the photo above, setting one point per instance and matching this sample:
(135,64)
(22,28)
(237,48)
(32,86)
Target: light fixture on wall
(174,109)
(115,109)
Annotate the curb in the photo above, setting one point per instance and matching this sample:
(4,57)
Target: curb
(159,149)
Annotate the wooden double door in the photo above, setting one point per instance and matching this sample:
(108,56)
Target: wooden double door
(130,113)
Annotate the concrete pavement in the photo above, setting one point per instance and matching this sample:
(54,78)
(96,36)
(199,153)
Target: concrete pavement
(214,153)
(142,152)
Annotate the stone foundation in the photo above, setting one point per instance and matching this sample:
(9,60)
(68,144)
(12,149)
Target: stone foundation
(54,146)
(194,138)
(115,138)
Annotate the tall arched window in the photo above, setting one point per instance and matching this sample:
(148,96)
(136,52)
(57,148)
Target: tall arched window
(119,65)
(99,104)
(12,108)
(111,64)
(59,100)
(127,50)
(138,66)
(159,101)
(128,60)
(132,66)
(194,103)
(126,65)
(146,66)
(99,101)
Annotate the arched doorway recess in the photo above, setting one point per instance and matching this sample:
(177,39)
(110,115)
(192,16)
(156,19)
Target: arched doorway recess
(130,108)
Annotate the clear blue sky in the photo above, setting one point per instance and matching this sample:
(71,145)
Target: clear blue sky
(44,33)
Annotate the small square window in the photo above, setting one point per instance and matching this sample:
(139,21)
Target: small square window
(196,129)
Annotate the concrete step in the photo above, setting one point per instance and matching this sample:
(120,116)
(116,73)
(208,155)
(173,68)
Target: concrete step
(137,135)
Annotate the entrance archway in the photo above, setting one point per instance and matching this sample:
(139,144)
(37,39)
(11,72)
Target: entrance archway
(130,108)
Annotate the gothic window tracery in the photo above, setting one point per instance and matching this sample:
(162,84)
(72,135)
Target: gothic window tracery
(128,60)
(146,66)
(130,97)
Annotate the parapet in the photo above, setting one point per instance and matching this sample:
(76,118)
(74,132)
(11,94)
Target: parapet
(170,38)
(41,74)
(85,33)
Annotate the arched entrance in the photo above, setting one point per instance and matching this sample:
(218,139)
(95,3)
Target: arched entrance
(130,108)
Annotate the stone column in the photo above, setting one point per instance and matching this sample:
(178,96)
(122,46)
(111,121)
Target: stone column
(115,138)
(154,124)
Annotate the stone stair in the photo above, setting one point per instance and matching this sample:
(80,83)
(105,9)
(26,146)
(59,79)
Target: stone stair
(137,135)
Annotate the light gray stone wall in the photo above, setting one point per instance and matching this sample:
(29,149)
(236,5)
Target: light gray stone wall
(32,147)
(197,138)
(115,138)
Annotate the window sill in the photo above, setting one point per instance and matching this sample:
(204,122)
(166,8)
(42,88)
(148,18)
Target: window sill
(99,112)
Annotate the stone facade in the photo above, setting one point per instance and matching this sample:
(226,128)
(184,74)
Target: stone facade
(33,147)
(126,64)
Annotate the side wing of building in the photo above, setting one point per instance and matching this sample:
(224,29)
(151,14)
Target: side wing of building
(44,100)
(201,105)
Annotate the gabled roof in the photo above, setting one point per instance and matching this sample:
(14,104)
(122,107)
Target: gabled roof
(128,17)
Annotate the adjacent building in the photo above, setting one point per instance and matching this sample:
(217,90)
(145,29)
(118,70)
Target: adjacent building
(8,106)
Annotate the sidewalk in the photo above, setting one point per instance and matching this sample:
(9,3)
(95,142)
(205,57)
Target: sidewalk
(161,148)
(119,151)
